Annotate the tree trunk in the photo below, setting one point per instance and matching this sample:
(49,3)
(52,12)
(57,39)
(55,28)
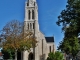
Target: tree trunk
(15,54)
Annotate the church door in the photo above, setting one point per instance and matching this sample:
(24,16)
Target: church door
(30,57)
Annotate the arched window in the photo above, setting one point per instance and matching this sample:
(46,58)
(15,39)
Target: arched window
(28,26)
(33,15)
(50,49)
(33,25)
(29,13)
(27,4)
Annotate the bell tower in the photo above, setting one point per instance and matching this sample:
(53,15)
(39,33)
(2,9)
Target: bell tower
(31,24)
(31,16)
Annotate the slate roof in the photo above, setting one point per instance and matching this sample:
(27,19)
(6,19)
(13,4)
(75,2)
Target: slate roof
(49,39)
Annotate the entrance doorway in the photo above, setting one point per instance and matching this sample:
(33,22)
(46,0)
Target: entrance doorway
(30,57)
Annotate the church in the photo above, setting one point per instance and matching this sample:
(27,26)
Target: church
(45,45)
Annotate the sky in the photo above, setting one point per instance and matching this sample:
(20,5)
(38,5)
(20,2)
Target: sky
(48,11)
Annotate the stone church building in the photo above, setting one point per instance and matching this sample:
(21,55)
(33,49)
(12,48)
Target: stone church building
(45,45)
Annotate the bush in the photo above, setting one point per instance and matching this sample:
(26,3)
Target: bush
(55,56)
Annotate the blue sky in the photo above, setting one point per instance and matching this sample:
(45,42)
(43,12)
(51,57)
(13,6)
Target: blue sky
(48,10)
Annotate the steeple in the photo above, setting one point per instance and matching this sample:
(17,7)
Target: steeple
(31,16)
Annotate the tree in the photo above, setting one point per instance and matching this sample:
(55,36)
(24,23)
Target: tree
(70,21)
(70,16)
(15,38)
(70,46)
(55,56)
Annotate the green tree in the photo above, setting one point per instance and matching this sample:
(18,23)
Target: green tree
(69,46)
(15,38)
(70,21)
(70,17)
(55,56)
